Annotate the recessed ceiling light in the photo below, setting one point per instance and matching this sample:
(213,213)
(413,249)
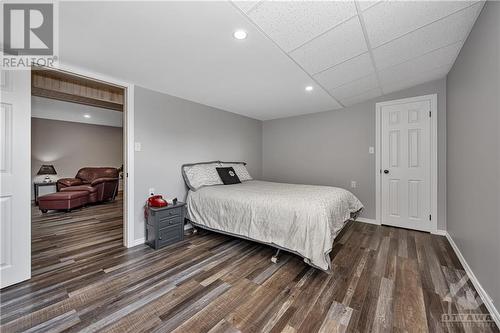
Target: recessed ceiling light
(240,34)
(86,116)
(309,88)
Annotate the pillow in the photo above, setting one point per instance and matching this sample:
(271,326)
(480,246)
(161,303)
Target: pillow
(199,175)
(228,176)
(240,169)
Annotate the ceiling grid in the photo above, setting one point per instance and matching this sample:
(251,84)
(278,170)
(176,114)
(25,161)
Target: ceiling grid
(302,68)
(406,36)
(368,44)
(298,57)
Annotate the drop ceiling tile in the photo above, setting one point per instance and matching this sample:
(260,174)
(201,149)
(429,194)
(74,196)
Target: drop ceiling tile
(428,76)
(246,6)
(292,23)
(449,30)
(370,94)
(392,19)
(413,68)
(342,43)
(335,105)
(345,72)
(364,5)
(355,88)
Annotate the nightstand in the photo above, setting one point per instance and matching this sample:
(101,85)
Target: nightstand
(36,188)
(165,225)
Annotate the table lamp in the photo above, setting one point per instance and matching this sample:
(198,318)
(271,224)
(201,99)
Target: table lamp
(47,169)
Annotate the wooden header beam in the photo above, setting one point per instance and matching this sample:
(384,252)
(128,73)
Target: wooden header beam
(71,88)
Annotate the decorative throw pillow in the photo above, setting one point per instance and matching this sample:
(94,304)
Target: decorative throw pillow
(240,169)
(228,176)
(201,174)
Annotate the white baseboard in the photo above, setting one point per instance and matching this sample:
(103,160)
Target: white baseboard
(365,220)
(188,226)
(439,232)
(138,241)
(488,302)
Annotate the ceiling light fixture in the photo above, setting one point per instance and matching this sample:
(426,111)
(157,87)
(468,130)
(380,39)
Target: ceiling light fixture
(86,116)
(309,88)
(240,34)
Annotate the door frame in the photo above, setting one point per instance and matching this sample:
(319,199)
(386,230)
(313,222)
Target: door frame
(433,157)
(128,146)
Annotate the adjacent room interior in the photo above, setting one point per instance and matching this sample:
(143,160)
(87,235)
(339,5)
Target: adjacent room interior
(76,167)
(255,166)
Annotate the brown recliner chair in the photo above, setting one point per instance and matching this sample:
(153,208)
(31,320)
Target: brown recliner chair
(101,183)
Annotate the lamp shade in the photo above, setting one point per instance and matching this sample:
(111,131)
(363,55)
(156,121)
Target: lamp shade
(47,169)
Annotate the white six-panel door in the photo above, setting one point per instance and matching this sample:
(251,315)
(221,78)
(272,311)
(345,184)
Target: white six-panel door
(405,143)
(15,175)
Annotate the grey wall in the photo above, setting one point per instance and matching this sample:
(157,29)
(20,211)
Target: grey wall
(70,146)
(331,148)
(473,123)
(175,131)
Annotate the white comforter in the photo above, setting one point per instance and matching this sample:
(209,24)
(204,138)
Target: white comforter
(303,219)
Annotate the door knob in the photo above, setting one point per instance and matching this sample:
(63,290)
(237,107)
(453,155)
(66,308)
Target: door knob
(386,171)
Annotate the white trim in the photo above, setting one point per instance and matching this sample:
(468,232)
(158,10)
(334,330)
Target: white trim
(139,241)
(365,220)
(434,161)
(433,158)
(128,230)
(487,300)
(128,133)
(378,165)
(439,232)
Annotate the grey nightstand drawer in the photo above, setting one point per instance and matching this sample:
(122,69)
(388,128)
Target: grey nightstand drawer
(169,220)
(170,213)
(170,235)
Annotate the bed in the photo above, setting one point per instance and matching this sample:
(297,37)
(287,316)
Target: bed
(302,219)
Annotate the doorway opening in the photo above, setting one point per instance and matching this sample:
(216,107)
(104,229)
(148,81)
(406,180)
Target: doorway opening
(78,166)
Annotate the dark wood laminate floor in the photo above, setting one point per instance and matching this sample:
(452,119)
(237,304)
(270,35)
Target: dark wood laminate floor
(384,279)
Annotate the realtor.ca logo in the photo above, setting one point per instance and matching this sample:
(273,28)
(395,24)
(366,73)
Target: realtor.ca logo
(28,35)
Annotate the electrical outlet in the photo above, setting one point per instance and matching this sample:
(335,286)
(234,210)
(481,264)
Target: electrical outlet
(371,150)
(137,146)
(152,191)
(353,184)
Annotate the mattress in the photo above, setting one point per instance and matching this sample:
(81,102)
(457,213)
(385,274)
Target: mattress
(302,219)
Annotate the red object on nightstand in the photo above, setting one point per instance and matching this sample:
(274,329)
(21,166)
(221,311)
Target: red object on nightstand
(157,201)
